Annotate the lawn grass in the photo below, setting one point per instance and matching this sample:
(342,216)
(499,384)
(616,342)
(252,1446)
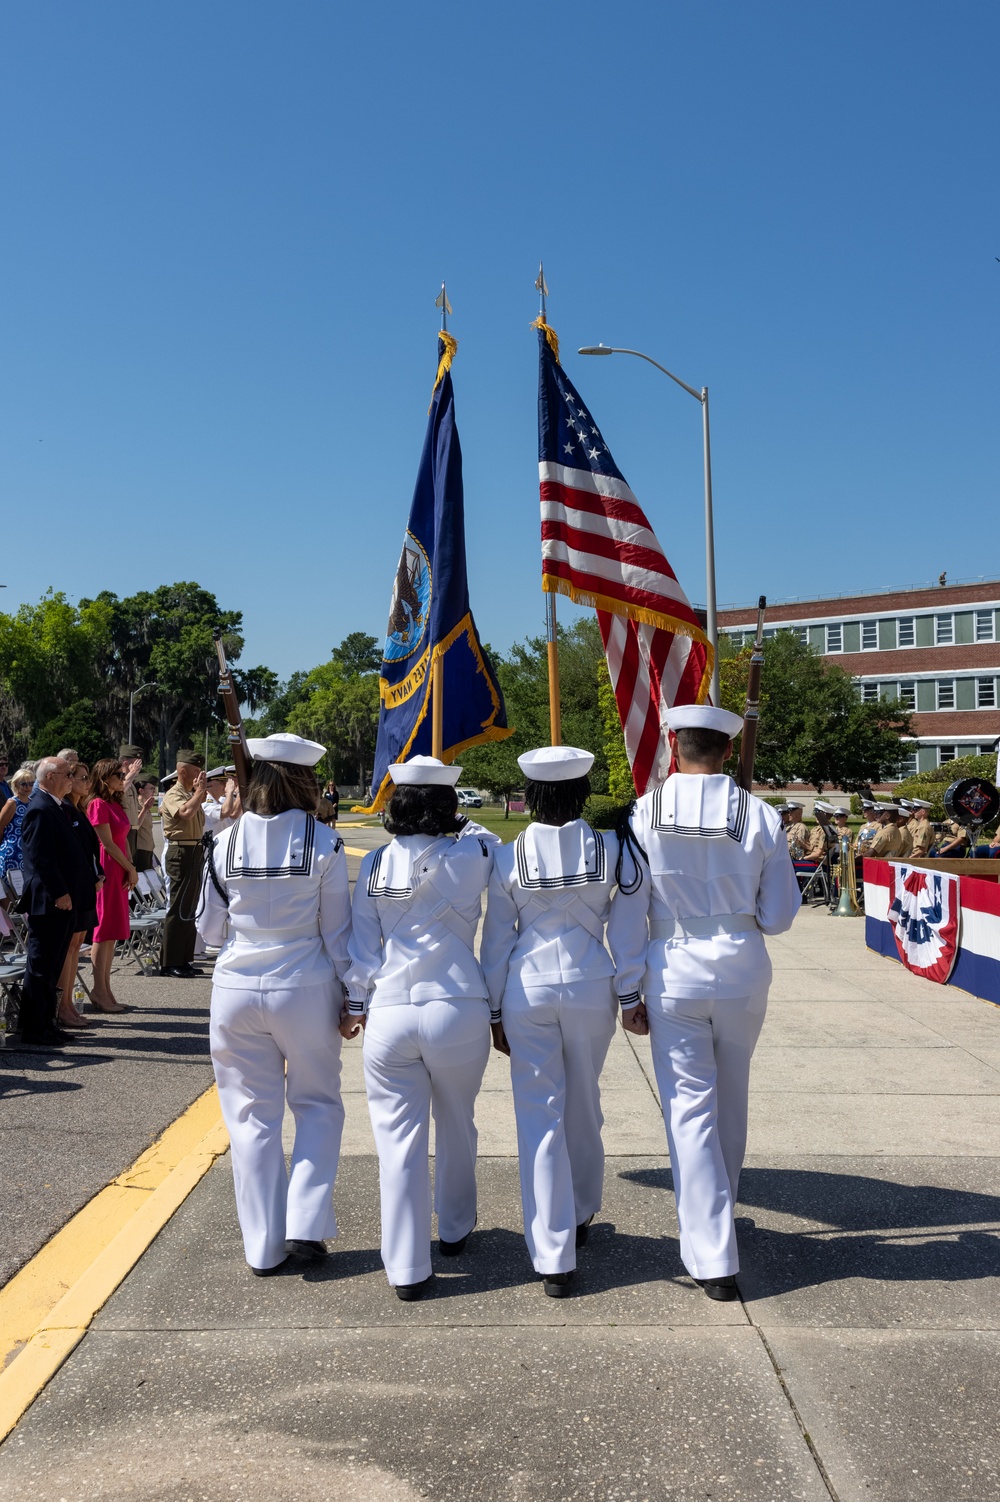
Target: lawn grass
(493,820)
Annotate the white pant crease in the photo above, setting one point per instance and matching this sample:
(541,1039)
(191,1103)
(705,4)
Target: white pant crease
(254,1036)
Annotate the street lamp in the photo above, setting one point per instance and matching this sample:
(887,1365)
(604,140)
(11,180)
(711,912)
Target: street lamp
(131,700)
(711,621)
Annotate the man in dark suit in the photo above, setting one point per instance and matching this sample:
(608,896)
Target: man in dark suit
(56,881)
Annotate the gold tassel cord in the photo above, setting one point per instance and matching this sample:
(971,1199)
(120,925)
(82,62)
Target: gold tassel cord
(444,364)
(551,337)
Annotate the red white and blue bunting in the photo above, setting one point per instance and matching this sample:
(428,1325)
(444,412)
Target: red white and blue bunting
(924,913)
(975,964)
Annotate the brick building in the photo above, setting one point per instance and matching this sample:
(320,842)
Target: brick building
(935,649)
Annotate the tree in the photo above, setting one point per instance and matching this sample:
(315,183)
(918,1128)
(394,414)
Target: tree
(341,712)
(813,726)
(358,653)
(493,768)
(76,726)
(621,785)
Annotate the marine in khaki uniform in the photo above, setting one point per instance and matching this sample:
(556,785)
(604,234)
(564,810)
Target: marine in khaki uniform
(796,833)
(885,844)
(183,826)
(921,829)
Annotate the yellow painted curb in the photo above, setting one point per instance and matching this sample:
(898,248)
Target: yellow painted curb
(353,850)
(46,1309)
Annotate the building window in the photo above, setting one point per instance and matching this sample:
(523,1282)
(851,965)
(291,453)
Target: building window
(869,692)
(987,750)
(946,693)
(769,631)
(835,638)
(907,633)
(984,625)
(908,694)
(908,765)
(869,636)
(945,630)
(986,693)
(803,635)
(946,753)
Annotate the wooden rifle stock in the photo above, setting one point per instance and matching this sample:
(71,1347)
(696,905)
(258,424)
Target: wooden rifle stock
(237,735)
(751,714)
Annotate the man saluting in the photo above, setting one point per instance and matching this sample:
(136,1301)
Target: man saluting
(688,936)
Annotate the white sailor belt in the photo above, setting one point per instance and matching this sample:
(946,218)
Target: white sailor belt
(702,928)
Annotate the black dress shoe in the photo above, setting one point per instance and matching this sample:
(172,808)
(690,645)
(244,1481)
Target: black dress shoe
(723,1290)
(181,972)
(583,1231)
(410,1292)
(44,1040)
(557,1285)
(268,1272)
(313,1249)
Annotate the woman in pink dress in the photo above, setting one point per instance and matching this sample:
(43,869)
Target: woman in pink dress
(112,824)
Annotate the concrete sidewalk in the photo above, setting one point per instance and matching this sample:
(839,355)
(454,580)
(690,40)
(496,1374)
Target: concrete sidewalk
(861,1363)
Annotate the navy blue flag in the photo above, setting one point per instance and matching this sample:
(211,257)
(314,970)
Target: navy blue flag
(429,618)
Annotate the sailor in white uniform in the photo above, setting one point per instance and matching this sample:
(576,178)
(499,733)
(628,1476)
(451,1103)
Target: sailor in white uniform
(416,986)
(544,959)
(718,878)
(276,891)
(222,806)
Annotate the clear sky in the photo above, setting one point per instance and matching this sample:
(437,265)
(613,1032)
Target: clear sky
(224,226)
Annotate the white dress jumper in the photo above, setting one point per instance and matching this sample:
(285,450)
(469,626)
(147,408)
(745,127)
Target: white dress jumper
(277,994)
(719,877)
(414,974)
(544,959)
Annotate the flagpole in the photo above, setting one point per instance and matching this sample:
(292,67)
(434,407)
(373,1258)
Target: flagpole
(551,632)
(437,672)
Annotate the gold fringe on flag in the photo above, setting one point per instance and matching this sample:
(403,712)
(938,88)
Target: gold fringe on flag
(444,364)
(551,337)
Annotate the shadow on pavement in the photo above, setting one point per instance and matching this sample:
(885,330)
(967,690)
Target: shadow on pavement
(889,1232)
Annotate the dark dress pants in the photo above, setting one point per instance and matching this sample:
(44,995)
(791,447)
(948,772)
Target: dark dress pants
(184,866)
(48,940)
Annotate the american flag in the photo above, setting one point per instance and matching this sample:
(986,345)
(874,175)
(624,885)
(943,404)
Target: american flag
(599,549)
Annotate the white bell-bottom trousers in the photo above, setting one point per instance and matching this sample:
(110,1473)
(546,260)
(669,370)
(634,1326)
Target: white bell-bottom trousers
(701,1055)
(419,1058)
(559,1038)
(254,1036)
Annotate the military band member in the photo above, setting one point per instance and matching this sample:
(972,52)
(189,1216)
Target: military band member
(921,829)
(885,844)
(276,898)
(416,986)
(868,828)
(903,829)
(544,960)
(798,835)
(183,826)
(718,878)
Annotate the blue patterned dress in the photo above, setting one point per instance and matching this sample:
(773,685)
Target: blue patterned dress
(10,850)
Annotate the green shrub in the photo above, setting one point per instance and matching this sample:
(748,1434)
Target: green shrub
(603,811)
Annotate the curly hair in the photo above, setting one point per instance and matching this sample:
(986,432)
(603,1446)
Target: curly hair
(423,809)
(556,802)
(276,786)
(98,785)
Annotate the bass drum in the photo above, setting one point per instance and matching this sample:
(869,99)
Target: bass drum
(972,800)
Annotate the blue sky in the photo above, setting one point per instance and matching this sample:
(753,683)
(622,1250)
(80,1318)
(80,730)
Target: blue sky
(225,226)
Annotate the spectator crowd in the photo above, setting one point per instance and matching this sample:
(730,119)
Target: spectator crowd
(75,841)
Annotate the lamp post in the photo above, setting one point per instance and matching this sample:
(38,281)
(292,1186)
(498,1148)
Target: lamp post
(711,614)
(131,701)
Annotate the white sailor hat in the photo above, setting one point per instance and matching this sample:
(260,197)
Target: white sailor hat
(703,717)
(284,747)
(424,771)
(220,772)
(920,803)
(555,763)
(170,777)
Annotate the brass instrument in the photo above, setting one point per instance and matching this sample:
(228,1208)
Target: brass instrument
(847,907)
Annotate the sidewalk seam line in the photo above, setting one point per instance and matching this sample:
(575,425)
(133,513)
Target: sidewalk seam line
(807,1437)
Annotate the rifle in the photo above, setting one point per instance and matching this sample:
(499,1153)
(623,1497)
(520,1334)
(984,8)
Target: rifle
(237,735)
(751,714)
